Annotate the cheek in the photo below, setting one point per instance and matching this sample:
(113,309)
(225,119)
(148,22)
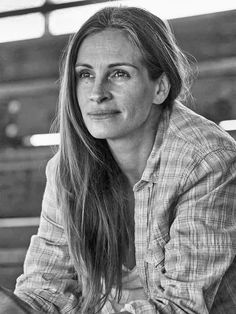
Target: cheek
(133,93)
(140,92)
(82,96)
(83,90)
(140,110)
(138,99)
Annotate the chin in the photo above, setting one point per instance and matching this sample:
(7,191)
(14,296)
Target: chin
(104,135)
(100,133)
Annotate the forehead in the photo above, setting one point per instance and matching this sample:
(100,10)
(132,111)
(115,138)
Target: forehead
(110,45)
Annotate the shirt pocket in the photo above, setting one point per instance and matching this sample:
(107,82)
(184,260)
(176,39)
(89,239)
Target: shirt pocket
(155,256)
(154,261)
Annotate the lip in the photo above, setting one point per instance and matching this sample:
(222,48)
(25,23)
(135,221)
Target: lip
(103,114)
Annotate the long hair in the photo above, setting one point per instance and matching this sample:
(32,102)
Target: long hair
(90,185)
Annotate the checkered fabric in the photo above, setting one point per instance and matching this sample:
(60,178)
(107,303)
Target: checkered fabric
(185,228)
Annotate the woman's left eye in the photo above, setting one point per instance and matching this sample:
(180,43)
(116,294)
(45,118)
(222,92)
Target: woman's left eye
(119,74)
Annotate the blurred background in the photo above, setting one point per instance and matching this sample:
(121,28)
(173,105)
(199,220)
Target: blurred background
(33,36)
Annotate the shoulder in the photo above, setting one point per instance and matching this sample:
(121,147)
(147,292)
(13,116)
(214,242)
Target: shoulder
(52,165)
(198,133)
(51,186)
(191,141)
(51,211)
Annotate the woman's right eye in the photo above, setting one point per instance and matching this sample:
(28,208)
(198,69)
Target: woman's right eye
(85,74)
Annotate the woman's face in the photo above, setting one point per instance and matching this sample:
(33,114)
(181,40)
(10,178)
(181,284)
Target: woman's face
(114,91)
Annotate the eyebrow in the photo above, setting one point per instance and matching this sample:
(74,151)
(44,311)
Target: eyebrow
(112,65)
(83,65)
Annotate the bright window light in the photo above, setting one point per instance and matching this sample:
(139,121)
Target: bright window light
(170,9)
(228,125)
(22,27)
(64,1)
(69,20)
(19,222)
(10,5)
(42,140)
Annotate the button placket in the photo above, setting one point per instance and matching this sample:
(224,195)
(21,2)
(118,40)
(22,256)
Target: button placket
(142,204)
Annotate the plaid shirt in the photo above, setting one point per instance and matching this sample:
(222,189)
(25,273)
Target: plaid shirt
(185,228)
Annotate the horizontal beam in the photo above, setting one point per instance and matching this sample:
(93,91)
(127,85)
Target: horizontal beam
(48,7)
(31,87)
(21,166)
(19,222)
(221,67)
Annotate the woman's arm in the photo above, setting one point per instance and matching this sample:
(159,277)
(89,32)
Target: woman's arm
(202,241)
(49,282)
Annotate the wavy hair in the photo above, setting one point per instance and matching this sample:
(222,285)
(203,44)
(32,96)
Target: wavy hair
(90,185)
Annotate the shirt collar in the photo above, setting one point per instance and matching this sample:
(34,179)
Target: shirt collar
(150,173)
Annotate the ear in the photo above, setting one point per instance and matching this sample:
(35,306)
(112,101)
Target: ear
(162,89)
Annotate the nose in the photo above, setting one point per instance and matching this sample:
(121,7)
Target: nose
(100,93)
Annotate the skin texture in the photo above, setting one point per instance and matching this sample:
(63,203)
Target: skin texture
(121,95)
(117,99)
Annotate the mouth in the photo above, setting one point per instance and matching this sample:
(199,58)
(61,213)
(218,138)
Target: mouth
(103,114)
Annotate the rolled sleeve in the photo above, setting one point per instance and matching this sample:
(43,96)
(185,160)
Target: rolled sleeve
(49,282)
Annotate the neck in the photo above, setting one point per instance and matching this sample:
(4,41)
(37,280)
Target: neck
(132,153)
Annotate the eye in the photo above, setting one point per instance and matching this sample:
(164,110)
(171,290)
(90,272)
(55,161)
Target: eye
(84,74)
(120,74)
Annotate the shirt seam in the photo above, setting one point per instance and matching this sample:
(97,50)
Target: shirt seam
(188,172)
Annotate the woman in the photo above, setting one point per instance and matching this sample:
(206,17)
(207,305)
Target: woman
(139,210)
